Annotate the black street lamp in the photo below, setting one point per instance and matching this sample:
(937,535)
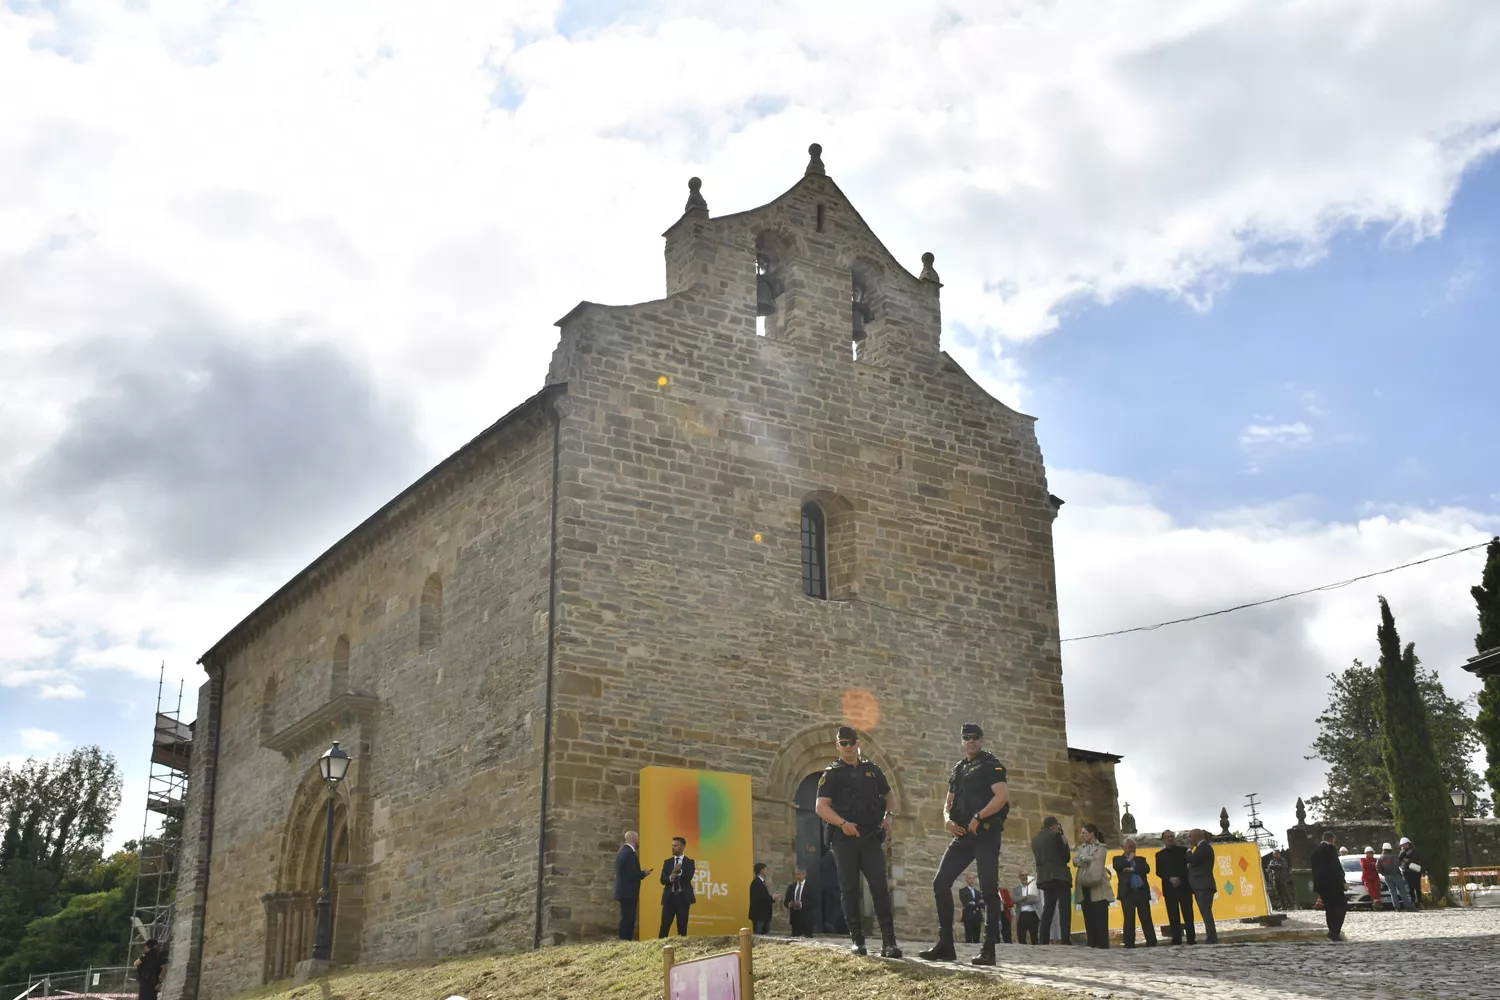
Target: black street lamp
(1460,802)
(333,765)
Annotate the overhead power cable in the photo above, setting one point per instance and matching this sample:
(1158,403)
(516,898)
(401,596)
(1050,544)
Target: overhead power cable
(1273,600)
(1175,621)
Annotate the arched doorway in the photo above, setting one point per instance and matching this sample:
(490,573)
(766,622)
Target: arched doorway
(815,858)
(292,910)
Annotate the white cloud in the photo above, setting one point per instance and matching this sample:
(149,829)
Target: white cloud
(35,740)
(67,691)
(336,175)
(1208,711)
(1276,435)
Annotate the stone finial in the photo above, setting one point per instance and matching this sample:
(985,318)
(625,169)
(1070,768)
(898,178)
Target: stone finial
(1127,822)
(928,274)
(695,196)
(1224,821)
(1301,813)
(815,159)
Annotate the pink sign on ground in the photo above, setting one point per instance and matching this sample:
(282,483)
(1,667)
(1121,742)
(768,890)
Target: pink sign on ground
(716,978)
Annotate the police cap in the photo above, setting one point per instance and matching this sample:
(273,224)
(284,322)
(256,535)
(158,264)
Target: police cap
(847,733)
(971,729)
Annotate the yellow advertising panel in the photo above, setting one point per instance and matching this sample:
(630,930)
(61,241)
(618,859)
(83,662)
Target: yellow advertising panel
(1242,886)
(711,809)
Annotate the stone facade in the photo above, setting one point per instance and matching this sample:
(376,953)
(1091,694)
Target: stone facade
(620,584)
(1096,798)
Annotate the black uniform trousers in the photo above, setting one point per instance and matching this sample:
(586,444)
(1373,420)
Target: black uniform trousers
(984,854)
(628,908)
(1205,900)
(1180,912)
(674,907)
(1335,908)
(1133,904)
(1057,898)
(864,855)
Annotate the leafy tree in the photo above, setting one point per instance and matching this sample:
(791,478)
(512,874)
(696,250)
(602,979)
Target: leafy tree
(54,816)
(90,929)
(1487,596)
(1419,798)
(1350,742)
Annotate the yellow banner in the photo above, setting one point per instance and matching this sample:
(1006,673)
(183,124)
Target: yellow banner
(1241,884)
(711,809)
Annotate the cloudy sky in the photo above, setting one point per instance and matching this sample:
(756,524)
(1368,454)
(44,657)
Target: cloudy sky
(263,262)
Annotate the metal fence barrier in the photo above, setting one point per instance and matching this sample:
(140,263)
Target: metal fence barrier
(115,982)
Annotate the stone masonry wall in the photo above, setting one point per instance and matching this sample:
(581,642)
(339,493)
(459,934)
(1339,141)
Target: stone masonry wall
(684,637)
(445,786)
(1096,800)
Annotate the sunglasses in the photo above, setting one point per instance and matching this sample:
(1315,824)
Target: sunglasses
(848,743)
(971,739)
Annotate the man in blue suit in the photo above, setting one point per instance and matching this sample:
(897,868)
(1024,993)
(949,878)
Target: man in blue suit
(628,876)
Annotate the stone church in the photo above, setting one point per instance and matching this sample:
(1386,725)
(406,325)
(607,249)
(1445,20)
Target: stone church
(732,518)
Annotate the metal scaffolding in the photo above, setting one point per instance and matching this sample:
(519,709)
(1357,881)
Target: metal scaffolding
(161,829)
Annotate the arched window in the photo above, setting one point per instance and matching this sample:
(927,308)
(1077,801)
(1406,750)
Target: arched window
(814,551)
(339,676)
(430,615)
(268,710)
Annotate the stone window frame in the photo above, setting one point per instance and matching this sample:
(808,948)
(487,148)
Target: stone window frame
(840,562)
(338,672)
(268,709)
(430,615)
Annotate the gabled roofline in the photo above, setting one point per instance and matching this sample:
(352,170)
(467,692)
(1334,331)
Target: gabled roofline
(370,529)
(1093,756)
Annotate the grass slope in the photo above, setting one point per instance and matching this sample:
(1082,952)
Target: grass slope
(634,970)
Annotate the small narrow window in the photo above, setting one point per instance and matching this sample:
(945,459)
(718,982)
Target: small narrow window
(814,551)
(820,218)
(338,682)
(430,616)
(760,326)
(268,710)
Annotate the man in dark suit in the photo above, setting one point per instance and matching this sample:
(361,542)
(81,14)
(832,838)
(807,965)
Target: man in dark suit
(1172,868)
(1328,882)
(1204,882)
(1050,849)
(762,901)
(798,900)
(676,889)
(973,903)
(1135,894)
(628,876)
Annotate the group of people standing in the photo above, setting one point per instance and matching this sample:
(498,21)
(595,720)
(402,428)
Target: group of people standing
(1400,872)
(857,802)
(1186,877)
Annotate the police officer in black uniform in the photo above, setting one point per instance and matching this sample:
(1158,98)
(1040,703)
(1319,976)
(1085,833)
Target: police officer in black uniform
(978,802)
(855,799)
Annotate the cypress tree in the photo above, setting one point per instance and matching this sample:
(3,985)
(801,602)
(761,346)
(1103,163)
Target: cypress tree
(1419,799)
(1487,596)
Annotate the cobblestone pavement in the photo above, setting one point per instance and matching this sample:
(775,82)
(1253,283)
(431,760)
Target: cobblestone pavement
(1386,956)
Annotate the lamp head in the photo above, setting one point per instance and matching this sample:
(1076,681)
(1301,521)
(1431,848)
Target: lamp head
(334,764)
(1457,795)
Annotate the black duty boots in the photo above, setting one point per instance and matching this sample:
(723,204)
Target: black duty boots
(986,954)
(943,950)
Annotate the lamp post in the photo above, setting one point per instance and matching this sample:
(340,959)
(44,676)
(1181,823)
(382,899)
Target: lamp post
(1460,802)
(333,765)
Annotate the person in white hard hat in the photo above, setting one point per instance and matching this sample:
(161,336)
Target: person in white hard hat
(1389,867)
(1411,867)
(1370,875)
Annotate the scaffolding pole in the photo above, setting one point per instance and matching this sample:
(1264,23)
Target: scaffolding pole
(166,801)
